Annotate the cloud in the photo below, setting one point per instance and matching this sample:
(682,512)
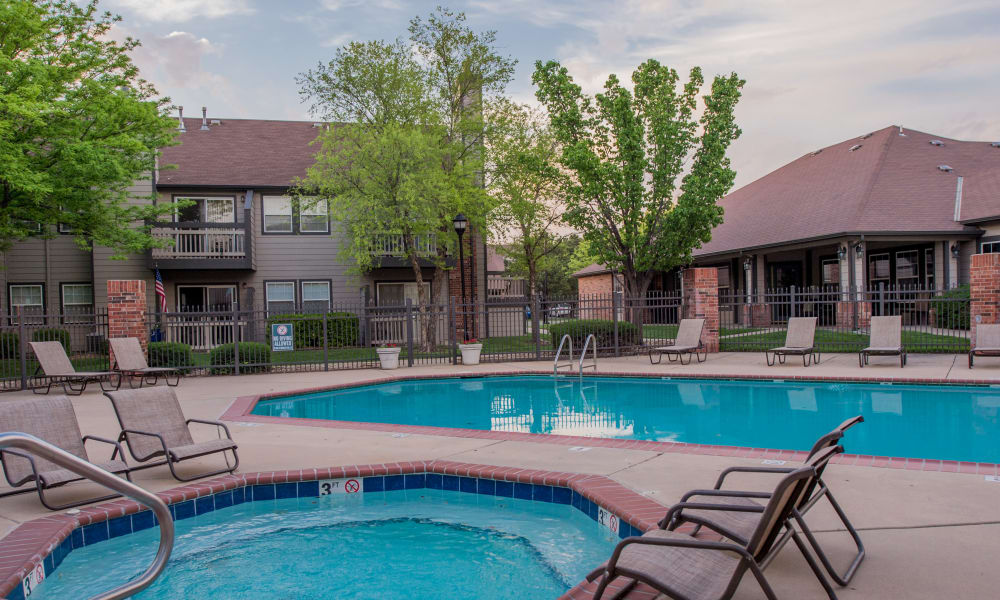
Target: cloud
(335,5)
(179,11)
(338,40)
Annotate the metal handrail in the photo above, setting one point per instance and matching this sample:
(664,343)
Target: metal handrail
(583,355)
(83,468)
(555,362)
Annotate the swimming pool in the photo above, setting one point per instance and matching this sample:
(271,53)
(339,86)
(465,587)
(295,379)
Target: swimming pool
(412,543)
(919,421)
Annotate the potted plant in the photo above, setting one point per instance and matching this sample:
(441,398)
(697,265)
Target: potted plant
(471,349)
(388,355)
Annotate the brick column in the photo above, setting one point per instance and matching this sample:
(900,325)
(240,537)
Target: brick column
(985,290)
(455,289)
(701,301)
(127,311)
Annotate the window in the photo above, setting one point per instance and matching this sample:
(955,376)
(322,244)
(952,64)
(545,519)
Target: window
(29,298)
(929,268)
(991,247)
(313,216)
(277,214)
(77,302)
(725,279)
(831,271)
(315,296)
(280,297)
(207,209)
(907,267)
(396,294)
(878,267)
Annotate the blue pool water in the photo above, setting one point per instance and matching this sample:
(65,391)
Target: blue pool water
(920,421)
(410,544)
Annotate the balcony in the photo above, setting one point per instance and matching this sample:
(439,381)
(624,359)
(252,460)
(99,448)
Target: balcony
(195,245)
(388,248)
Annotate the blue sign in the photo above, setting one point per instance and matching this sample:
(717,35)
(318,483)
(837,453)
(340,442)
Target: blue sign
(281,337)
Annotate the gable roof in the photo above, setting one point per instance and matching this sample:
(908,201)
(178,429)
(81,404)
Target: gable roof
(239,153)
(886,181)
(592,269)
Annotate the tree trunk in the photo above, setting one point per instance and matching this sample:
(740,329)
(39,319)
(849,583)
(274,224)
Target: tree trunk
(425,322)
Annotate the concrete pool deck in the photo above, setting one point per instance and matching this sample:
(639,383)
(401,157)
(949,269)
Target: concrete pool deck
(928,534)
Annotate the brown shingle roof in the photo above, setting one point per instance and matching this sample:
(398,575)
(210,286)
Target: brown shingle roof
(890,183)
(240,152)
(592,269)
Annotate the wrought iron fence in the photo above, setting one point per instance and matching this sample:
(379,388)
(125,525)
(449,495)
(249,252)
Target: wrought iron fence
(82,333)
(934,320)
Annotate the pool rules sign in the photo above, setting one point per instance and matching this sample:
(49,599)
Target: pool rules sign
(281,337)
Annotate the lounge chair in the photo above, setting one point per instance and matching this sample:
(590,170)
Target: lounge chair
(688,341)
(130,362)
(686,568)
(54,365)
(799,341)
(987,342)
(738,525)
(53,420)
(154,426)
(886,340)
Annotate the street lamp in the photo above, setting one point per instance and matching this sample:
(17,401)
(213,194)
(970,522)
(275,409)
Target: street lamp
(461,224)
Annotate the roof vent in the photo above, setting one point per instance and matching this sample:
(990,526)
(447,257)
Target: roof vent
(180,119)
(945,168)
(937,143)
(317,124)
(215,122)
(816,152)
(867,135)
(204,118)
(855,147)
(901,134)
(995,144)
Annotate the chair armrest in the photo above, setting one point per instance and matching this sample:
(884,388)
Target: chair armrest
(717,493)
(117,445)
(677,543)
(210,422)
(722,476)
(680,506)
(146,433)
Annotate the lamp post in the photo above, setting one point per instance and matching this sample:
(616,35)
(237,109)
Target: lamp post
(461,224)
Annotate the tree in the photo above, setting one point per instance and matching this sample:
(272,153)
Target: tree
(524,182)
(78,127)
(404,156)
(625,150)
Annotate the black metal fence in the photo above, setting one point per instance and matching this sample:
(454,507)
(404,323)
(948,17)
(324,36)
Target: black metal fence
(348,335)
(934,320)
(83,335)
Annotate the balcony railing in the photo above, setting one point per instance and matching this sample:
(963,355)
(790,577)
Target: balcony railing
(392,245)
(204,241)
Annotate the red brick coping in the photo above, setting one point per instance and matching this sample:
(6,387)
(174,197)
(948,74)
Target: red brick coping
(240,411)
(31,543)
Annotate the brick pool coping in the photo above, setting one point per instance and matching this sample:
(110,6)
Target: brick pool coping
(43,541)
(241,408)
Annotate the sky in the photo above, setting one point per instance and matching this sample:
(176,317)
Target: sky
(817,72)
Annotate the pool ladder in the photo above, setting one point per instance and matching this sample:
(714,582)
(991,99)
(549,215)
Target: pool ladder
(68,461)
(567,342)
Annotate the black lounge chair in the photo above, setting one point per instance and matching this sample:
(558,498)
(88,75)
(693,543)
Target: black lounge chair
(886,340)
(800,340)
(55,366)
(130,362)
(688,342)
(987,342)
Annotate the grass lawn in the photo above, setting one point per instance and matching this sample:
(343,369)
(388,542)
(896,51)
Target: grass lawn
(845,341)
(669,332)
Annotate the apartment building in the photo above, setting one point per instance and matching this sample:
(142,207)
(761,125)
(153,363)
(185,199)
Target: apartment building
(240,241)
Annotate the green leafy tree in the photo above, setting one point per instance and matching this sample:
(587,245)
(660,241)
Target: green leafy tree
(404,154)
(645,170)
(78,127)
(524,183)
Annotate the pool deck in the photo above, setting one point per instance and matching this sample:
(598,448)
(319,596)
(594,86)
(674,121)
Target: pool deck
(929,533)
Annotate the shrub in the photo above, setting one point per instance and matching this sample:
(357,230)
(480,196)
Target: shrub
(10,345)
(307,329)
(254,358)
(603,330)
(170,354)
(951,309)
(52,334)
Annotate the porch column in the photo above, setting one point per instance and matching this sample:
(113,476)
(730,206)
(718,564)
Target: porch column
(984,276)
(701,301)
(952,264)
(127,311)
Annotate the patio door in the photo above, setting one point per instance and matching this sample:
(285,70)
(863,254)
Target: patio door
(782,276)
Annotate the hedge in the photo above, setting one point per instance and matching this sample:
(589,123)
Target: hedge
(10,345)
(254,358)
(307,329)
(603,330)
(52,334)
(952,310)
(170,354)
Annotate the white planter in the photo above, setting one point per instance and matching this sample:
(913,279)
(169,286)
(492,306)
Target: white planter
(470,353)
(388,357)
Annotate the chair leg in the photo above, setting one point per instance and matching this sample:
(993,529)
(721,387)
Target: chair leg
(812,562)
(762,582)
(228,469)
(844,578)
(58,507)
(659,359)
(970,360)
(769,358)
(177,379)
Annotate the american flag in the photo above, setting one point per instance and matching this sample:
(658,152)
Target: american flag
(160,293)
